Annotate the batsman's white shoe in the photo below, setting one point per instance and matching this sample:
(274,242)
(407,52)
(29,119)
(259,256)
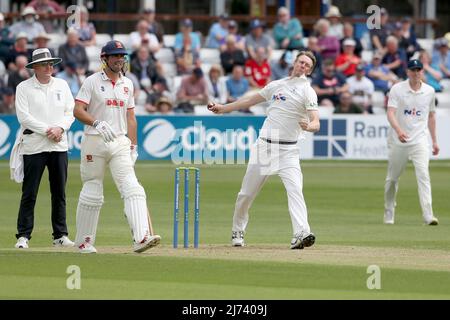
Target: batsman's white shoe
(22,243)
(147,243)
(302,240)
(237,239)
(86,246)
(433,221)
(64,241)
(388,216)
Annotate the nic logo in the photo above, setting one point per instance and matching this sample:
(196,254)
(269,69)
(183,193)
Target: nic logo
(278,97)
(4,134)
(331,140)
(159,140)
(412,112)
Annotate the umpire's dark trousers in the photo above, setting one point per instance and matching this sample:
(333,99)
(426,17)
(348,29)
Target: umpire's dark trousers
(33,168)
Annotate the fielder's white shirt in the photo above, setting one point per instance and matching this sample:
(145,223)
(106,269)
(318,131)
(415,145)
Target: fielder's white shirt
(413,108)
(290,98)
(107,101)
(41,106)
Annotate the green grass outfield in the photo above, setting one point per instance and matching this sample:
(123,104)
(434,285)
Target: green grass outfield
(345,202)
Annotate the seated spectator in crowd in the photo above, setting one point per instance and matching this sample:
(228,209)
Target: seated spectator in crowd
(336,28)
(238,38)
(70,75)
(73,51)
(314,48)
(362,89)
(408,39)
(19,75)
(231,55)
(378,36)
(346,105)
(86,30)
(193,91)
(329,85)
(349,34)
(19,49)
(237,84)
(347,61)
(154,26)
(186,38)
(7,101)
(144,66)
(217,32)
(44,8)
(155,91)
(136,84)
(41,41)
(217,88)
(142,38)
(380,75)
(441,56)
(280,69)
(287,32)
(258,70)
(256,38)
(6,38)
(164,106)
(395,59)
(27,24)
(431,74)
(328,46)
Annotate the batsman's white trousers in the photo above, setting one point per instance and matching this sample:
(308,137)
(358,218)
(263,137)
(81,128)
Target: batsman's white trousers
(398,158)
(268,159)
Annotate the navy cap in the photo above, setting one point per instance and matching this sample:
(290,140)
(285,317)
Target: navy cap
(256,24)
(113,47)
(187,23)
(198,72)
(414,64)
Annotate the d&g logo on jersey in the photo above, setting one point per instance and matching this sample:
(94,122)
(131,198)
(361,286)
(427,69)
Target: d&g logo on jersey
(278,97)
(412,112)
(114,103)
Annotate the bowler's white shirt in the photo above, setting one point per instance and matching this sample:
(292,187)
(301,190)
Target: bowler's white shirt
(413,108)
(290,98)
(107,101)
(41,106)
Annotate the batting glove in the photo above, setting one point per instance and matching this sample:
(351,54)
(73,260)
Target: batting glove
(105,130)
(134,153)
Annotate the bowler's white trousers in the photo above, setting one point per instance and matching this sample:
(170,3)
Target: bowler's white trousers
(398,158)
(267,159)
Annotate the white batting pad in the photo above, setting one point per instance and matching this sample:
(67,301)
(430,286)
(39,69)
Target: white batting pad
(88,211)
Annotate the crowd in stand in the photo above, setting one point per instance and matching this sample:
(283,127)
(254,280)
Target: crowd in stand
(343,79)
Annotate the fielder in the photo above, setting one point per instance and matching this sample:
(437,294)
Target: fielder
(293,109)
(411,109)
(105,104)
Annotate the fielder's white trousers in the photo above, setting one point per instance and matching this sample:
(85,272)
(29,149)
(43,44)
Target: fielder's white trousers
(398,159)
(264,161)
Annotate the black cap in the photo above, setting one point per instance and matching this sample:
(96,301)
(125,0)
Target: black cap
(414,64)
(198,72)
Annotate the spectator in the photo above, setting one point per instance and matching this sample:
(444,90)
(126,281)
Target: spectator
(6,38)
(28,24)
(44,8)
(336,28)
(380,75)
(217,32)
(164,106)
(86,30)
(314,48)
(19,49)
(432,75)
(346,105)
(7,103)
(256,38)
(142,37)
(257,70)
(238,38)
(348,34)
(155,92)
(232,55)
(21,74)
(154,27)
(287,32)
(70,75)
(329,85)
(408,39)
(395,59)
(379,35)
(136,84)
(144,67)
(192,91)
(217,88)
(186,39)
(41,41)
(73,51)
(362,89)
(328,46)
(237,84)
(441,56)
(347,61)
(280,69)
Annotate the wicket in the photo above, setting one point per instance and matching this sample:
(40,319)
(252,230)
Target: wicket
(186,170)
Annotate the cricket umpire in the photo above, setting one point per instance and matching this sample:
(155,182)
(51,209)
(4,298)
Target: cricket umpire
(45,112)
(411,111)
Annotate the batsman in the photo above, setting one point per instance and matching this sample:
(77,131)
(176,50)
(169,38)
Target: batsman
(105,104)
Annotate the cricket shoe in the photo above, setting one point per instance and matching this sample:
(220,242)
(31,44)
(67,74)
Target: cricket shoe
(22,243)
(147,243)
(86,246)
(433,221)
(302,240)
(64,241)
(237,239)
(388,216)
